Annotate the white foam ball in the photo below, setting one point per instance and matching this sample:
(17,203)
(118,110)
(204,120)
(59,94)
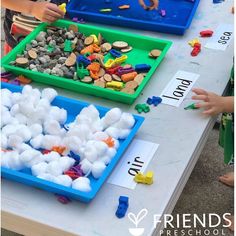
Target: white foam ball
(47,177)
(64,180)
(50,140)
(54,168)
(111,117)
(3,141)
(49,94)
(100,136)
(98,168)
(36,142)
(35,129)
(52,127)
(82,184)
(14,140)
(86,166)
(39,168)
(66,163)
(51,156)
(113,132)
(126,121)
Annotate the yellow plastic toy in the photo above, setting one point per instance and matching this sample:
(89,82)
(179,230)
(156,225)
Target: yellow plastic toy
(95,38)
(144,179)
(63,7)
(192,42)
(115,85)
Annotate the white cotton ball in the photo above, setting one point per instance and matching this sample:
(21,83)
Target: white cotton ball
(30,157)
(35,96)
(82,131)
(124,133)
(39,168)
(35,129)
(66,163)
(98,168)
(50,140)
(5,118)
(22,119)
(100,136)
(52,127)
(36,142)
(111,117)
(59,114)
(91,112)
(113,132)
(13,121)
(116,144)
(101,147)
(27,89)
(86,166)
(44,103)
(15,109)
(90,153)
(14,140)
(97,126)
(51,156)
(3,109)
(111,152)
(49,94)
(105,159)
(126,121)
(72,143)
(26,107)
(83,120)
(47,177)
(4,159)
(14,161)
(6,98)
(23,147)
(3,141)
(54,168)
(8,130)
(24,132)
(37,116)
(16,97)
(64,180)
(82,184)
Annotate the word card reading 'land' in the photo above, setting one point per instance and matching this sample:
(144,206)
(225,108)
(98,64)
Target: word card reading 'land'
(177,89)
(135,159)
(221,38)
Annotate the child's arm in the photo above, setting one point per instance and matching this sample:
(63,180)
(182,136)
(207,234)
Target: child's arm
(44,11)
(154,4)
(213,104)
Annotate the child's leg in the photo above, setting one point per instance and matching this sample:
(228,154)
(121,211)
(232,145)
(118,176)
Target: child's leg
(7,48)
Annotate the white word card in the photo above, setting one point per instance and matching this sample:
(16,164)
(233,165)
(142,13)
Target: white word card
(177,89)
(221,37)
(135,159)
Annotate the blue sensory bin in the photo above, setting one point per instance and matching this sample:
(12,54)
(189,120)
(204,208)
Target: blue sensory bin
(179,14)
(73,107)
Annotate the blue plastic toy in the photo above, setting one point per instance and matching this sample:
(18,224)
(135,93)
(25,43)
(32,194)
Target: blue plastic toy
(154,101)
(83,60)
(115,53)
(142,68)
(122,207)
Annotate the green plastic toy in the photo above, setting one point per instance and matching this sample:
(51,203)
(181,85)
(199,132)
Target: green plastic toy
(142,108)
(81,72)
(191,107)
(68,46)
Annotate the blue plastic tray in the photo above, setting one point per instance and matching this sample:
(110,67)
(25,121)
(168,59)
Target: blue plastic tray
(73,107)
(179,14)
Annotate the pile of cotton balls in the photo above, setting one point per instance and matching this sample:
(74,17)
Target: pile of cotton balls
(30,123)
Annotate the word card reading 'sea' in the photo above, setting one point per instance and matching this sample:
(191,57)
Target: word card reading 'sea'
(221,38)
(135,159)
(177,89)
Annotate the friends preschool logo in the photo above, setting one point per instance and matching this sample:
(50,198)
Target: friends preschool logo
(183,225)
(136,220)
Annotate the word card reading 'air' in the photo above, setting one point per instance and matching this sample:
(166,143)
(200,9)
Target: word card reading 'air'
(221,38)
(177,89)
(135,159)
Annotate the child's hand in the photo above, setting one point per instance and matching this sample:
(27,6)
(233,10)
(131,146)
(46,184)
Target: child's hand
(46,12)
(154,4)
(212,104)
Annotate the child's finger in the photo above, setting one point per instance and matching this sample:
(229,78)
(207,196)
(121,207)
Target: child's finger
(199,91)
(202,105)
(55,8)
(49,19)
(200,97)
(54,14)
(209,112)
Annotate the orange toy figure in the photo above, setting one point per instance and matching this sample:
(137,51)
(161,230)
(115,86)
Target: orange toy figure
(110,142)
(58,149)
(94,69)
(91,49)
(23,80)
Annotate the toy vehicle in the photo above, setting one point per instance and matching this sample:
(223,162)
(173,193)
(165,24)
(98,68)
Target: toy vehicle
(144,179)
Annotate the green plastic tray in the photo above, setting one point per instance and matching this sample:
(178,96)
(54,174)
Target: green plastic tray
(142,45)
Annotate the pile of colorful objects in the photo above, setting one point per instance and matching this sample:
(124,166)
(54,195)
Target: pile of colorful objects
(150,101)
(89,59)
(10,78)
